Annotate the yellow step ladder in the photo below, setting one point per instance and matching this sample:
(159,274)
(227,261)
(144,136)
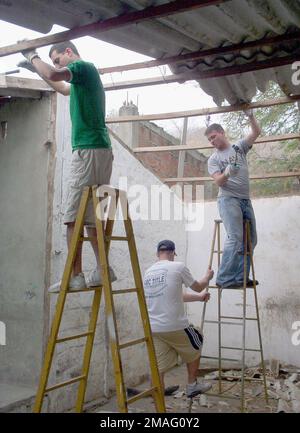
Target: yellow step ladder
(104,228)
(236,320)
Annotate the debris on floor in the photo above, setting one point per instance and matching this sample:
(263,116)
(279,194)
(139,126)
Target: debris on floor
(283,390)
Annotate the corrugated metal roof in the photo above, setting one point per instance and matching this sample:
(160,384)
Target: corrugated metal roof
(214,26)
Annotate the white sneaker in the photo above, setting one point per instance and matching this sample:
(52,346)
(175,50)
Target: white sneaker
(95,279)
(197,388)
(76,283)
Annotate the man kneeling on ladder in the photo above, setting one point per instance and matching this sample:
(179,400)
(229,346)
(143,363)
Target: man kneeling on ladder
(171,332)
(229,169)
(91,147)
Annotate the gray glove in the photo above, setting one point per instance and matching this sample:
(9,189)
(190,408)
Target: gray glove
(29,54)
(231,170)
(26,65)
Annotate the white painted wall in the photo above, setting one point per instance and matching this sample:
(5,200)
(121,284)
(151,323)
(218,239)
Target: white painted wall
(277,267)
(24,165)
(147,234)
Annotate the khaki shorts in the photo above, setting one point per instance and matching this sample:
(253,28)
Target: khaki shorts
(88,167)
(186,343)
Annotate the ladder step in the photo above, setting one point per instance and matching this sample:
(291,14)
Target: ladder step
(86,289)
(111,238)
(120,292)
(216,251)
(132,343)
(67,382)
(238,318)
(141,395)
(221,359)
(239,348)
(73,337)
(223,323)
(116,238)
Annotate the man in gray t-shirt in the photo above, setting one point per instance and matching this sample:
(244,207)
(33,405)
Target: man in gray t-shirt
(229,169)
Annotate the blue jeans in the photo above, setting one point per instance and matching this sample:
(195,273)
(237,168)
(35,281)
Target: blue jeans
(233,211)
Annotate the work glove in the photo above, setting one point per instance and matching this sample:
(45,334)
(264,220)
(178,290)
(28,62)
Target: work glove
(26,65)
(29,54)
(231,170)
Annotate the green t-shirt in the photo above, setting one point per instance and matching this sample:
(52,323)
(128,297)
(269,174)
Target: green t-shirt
(87,107)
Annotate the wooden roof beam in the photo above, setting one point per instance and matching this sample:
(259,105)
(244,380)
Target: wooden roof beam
(265,139)
(205,111)
(174,7)
(197,55)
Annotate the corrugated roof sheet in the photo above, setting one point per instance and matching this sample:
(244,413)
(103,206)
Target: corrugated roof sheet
(214,26)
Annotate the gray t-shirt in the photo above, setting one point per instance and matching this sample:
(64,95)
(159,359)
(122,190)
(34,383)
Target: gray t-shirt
(236,186)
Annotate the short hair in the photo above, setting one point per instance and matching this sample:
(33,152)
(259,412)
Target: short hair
(214,127)
(62,46)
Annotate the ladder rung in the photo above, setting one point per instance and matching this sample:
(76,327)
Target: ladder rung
(238,318)
(86,289)
(120,292)
(223,323)
(87,238)
(141,395)
(239,348)
(132,343)
(67,382)
(116,238)
(216,251)
(73,337)
(221,359)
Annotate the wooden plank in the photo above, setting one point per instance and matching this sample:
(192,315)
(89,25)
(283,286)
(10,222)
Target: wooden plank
(205,111)
(116,22)
(20,93)
(25,83)
(266,139)
(203,75)
(181,156)
(252,177)
(197,55)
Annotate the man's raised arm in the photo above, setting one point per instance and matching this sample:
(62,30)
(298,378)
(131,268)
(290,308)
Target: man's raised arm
(255,128)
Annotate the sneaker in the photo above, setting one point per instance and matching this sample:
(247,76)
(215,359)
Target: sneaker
(250,283)
(95,279)
(76,283)
(193,389)
(169,390)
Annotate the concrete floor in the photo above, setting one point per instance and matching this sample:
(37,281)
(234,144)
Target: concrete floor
(11,394)
(203,404)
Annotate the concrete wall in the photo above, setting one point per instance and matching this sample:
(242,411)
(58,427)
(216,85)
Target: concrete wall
(277,259)
(147,233)
(24,159)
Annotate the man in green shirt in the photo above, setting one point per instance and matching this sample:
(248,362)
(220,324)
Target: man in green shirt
(91,147)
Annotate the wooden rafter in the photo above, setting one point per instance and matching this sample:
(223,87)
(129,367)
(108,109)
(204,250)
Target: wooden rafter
(253,177)
(197,55)
(177,148)
(205,111)
(117,22)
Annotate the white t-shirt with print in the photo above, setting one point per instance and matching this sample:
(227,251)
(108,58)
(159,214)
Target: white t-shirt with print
(163,290)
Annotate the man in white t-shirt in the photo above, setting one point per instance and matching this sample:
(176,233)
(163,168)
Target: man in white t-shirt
(172,334)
